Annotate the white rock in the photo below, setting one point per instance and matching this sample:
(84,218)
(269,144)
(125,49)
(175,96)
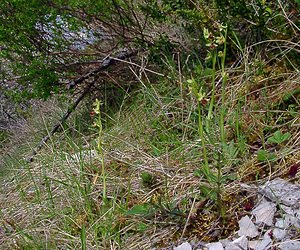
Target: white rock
(282,191)
(247,228)
(293,220)
(296,221)
(241,242)
(215,246)
(231,246)
(184,246)
(290,245)
(279,231)
(253,244)
(265,243)
(264,213)
(238,244)
(225,242)
(286,209)
(292,216)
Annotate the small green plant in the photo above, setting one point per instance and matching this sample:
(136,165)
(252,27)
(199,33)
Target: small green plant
(158,206)
(278,137)
(140,209)
(148,179)
(264,155)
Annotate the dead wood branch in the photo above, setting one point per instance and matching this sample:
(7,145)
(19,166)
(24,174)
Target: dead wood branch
(107,62)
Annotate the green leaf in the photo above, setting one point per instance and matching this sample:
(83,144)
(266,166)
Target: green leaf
(278,137)
(268,10)
(230,150)
(208,192)
(206,33)
(212,178)
(139,209)
(141,227)
(263,155)
(147,178)
(83,238)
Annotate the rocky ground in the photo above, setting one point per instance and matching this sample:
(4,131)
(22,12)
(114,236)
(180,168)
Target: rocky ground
(273,223)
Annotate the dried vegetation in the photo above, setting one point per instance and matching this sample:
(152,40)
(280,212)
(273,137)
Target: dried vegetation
(152,191)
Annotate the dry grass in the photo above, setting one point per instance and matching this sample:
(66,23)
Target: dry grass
(47,204)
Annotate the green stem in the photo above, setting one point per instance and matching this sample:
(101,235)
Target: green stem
(201,135)
(220,204)
(222,132)
(213,82)
(100,150)
(224,80)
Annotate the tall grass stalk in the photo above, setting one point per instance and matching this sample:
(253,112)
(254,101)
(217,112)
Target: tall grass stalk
(83,238)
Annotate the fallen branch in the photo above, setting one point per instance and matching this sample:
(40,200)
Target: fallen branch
(108,61)
(60,122)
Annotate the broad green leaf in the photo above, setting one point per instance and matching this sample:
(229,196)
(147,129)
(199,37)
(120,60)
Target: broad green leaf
(263,155)
(278,137)
(139,210)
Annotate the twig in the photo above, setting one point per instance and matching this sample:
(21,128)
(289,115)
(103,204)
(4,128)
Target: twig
(134,64)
